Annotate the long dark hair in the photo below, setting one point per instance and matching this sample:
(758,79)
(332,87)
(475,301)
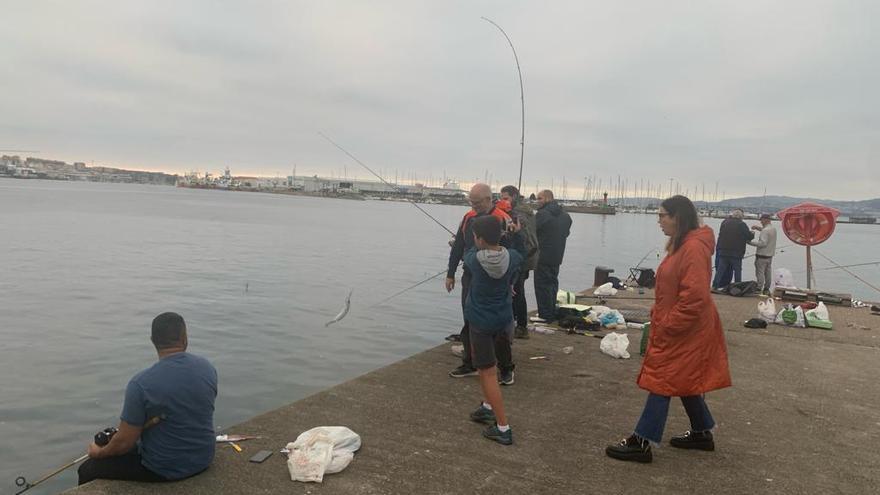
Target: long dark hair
(686,219)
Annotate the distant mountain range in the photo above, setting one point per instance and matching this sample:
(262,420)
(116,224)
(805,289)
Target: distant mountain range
(775,203)
(772,204)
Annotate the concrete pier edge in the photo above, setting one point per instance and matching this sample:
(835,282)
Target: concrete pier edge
(801,417)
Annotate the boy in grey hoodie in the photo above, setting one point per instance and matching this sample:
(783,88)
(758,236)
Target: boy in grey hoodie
(489,311)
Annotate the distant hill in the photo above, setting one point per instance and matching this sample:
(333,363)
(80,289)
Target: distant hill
(772,204)
(776,203)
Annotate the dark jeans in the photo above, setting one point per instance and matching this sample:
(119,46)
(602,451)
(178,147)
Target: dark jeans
(653,420)
(502,346)
(546,287)
(728,267)
(124,467)
(520,310)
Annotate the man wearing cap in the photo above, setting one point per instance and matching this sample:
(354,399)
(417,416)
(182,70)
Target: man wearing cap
(766,244)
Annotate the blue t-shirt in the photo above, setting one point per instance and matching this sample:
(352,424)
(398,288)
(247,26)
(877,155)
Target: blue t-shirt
(180,389)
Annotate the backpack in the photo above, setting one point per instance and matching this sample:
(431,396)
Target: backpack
(740,289)
(647,278)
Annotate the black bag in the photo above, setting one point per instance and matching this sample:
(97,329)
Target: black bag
(755,323)
(647,278)
(740,289)
(563,312)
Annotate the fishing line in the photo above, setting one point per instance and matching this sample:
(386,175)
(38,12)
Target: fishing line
(385,182)
(779,249)
(840,267)
(432,277)
(869,284)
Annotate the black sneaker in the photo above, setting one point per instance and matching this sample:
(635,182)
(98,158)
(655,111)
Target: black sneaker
(520,333)
(463,371)
(505,378)
(631,449)
(493,433)
(483,415)
(699,440)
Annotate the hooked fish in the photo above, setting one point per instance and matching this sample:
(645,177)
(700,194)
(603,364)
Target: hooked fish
(344,311)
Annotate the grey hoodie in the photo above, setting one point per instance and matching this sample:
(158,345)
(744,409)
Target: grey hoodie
(494,262)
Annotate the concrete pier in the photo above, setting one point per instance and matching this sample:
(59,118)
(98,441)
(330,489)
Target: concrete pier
(803,416)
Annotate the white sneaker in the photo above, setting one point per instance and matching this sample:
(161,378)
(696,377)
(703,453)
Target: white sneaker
(537,319)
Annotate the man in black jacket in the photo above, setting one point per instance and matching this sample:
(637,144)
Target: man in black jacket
(732,238)
(553,225)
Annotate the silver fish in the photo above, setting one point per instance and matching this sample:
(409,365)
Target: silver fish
(344,311)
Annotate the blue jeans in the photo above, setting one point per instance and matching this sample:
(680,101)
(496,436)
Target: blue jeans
(727,267)
(653,420)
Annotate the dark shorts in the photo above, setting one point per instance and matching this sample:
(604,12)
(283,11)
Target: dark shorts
(483,344)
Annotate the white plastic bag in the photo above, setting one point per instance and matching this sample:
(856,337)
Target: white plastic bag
(614,344)
(606,289)
(565,297)
(782,277)
(797,320)
(767,310)
(820,311)
(319,451)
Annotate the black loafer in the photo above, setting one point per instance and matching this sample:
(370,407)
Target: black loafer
(701,440)
(630,449)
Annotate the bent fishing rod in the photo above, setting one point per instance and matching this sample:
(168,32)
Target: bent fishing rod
(522,99)
(362,164)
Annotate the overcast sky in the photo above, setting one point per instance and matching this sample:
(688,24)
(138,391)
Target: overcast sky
(782,94)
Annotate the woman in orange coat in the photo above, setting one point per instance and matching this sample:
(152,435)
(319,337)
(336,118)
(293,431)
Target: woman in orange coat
(686,355)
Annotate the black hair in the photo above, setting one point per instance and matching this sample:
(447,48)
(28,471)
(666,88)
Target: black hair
(511,190)
(169,330)
(686,219)
(488,228)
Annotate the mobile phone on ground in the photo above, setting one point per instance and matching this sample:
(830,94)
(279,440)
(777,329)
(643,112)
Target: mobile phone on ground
(261,456)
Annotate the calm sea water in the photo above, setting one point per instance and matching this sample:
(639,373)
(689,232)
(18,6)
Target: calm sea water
(86,267)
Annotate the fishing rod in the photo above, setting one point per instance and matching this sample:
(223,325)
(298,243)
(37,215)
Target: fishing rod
(841,267)
(23,483)
(779,249)
(385,182)
(869,284)
(522,99)
(102,438)
(639,264)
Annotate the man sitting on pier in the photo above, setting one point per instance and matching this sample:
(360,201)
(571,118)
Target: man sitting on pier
(166,430)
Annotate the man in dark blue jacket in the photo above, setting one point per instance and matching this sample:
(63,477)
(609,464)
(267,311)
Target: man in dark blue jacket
(553,225)
(732,238)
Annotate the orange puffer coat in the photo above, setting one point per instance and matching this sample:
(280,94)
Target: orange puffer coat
(686,354)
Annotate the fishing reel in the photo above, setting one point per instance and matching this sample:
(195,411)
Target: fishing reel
(103,437)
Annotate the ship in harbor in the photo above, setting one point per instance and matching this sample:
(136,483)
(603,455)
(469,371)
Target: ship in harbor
(594,208)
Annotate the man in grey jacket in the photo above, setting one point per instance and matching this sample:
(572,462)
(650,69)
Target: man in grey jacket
(766,244)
